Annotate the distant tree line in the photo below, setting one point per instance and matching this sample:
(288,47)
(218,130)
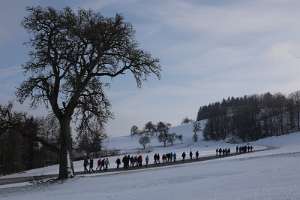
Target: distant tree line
(251,117)
(25,142)
(28,142)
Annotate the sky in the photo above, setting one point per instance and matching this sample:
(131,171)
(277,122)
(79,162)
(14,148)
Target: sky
(208,50)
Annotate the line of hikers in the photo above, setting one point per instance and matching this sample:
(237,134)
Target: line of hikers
(102,164)
(171,157)
(238,149)
(222,152)
(244,149)
(134,161)
(137,161)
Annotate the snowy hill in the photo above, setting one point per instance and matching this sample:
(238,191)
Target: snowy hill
(272,174)
(131,144)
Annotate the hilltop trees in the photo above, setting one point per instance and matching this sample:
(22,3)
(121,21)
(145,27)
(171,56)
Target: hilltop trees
(150,128)
(251,117)
(72,56)
(144,140)
(164,136)
(159,131)
(196,128)
(134,130)
(163,130)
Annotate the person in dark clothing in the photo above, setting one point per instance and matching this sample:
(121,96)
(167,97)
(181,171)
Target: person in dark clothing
(169,157)
(147,160)
(197,155)
(220,151)
(183,156)
(237,149)
(118,162)
(217,152)
(135,161)
(91,165)
(163,157)
(140,161)
(128,161)
(99,164)
(174,157)
(85,164)
(191,155)
(106,163)
(124,160)
(131,161)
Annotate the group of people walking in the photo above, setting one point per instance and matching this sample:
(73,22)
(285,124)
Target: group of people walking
(244,149)
(88,164)
(238,149)
(166,158)
(130,161)
(222,152)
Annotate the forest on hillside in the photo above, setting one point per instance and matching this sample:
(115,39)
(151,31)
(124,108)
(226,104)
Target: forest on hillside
(251,117)
(28,142)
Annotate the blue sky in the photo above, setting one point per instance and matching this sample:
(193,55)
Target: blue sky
(208,50)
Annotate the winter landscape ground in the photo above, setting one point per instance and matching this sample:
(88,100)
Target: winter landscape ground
(71,73)
(270,174)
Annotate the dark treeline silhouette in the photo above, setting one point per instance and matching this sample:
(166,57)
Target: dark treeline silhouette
(25,142)
(251,117)
(28,142)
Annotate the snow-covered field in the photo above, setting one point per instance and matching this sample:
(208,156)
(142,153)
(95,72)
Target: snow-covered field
(128,144)
(265,175)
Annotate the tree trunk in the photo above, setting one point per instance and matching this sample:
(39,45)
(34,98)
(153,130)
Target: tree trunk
(66,169)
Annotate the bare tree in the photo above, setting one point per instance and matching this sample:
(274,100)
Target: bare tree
(90,140)
(163,130)
(150,128)
(73,55)
(196,128)
(134,130)
(171,138)
(144,140)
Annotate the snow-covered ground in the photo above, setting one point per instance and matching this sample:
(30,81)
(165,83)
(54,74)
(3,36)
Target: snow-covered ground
(130,145)
(265,175)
